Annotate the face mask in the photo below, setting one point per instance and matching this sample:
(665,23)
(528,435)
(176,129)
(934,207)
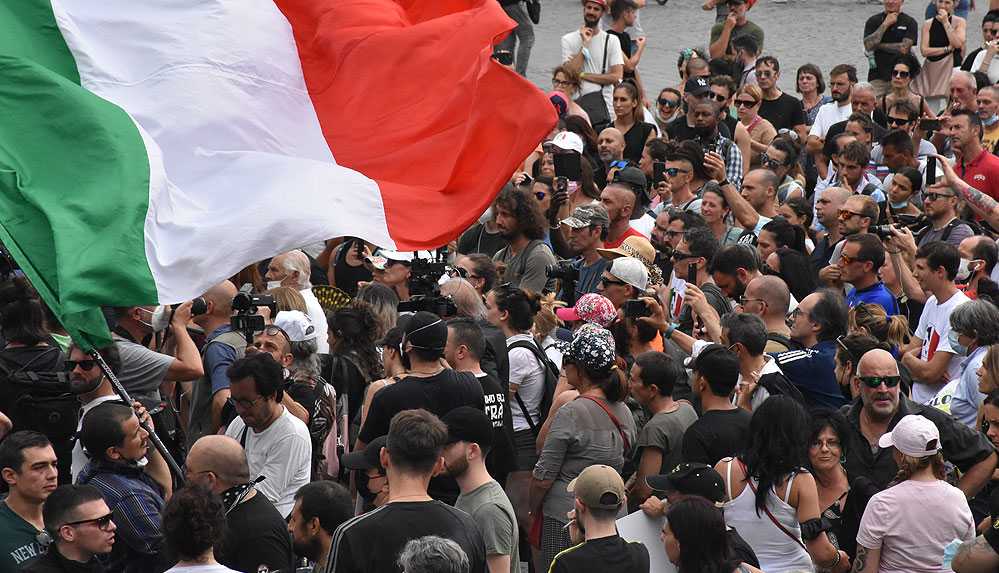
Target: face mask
(964,271)
(900,205)
(273,284)
(990,121)
(956,346)
(161,318)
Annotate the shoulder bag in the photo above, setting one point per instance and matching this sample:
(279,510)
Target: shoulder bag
(593,103)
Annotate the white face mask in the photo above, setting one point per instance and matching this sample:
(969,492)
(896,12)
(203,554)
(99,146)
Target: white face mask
(161,318)
(964,271)
(273,284)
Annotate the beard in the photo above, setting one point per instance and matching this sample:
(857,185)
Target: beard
(840,97)
(605,155)
(509,234)
(309,548)
(590,23)
(458,468)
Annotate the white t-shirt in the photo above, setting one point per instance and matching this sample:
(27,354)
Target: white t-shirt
(318,317)
(80,459)
(933,330)
(829,114)
(897,521)
(526,372)
(213,568)
(593,59)
(643,225)
(993,72)
(282,452)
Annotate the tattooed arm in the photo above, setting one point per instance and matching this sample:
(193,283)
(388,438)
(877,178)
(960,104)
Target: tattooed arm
(976,557)
(867,560)
(983,205)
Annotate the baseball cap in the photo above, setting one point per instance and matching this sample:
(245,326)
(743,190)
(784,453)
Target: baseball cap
(425,330)
(914,436)
(366,459)
(633,246)
(598,486)
(631,271)
(567,140)
(587,215)
(593,348)
(696,86)
(691,479)
(600,2)
(381,258)
(297,325)
(560,101)
(632,176)
(591,307)
(468,424)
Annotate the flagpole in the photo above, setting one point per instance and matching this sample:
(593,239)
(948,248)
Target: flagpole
(123,394)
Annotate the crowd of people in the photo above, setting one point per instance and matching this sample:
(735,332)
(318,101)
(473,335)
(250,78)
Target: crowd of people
(767,322)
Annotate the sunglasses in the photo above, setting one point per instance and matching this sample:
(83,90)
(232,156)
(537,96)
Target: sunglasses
(674,171)
(769,162)
(609,281)
(274,330)
(899,74)
(83,364)
(845,215)
(668,102)
(842,345)
(619,164)
(743,300)
(898,121)
(103,522)
(717,97)
(848,260)
(934,196)
(679,256)
(876,381)
(745,102)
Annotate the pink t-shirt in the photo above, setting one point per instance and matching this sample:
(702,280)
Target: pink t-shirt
(912,522)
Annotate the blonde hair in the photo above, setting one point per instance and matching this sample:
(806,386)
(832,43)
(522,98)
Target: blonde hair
(545,320)
(872,317)
(288,298)
(752,91)
(909,465)
(466,299)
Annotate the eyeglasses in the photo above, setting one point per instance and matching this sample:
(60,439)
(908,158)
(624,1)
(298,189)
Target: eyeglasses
(745,102)
(103,522)
(558,82)
(769,162)
(83,364)
(243,402)
(845,215)
(931,196)
(842,345)
(743,300)
(794,314)
(898,121)
(609,281)
(899,74)
(674,233)
(717,97)
(674,171)
(668,102)
(679,256)
(876,381)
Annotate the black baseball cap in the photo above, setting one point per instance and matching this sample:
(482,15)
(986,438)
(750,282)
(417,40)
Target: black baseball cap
(425,330)
(691,479)
(631,176)
(696,86)
(468,424)
(366,459)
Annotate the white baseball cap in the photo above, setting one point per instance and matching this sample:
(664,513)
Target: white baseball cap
(914,436)
(383,256)
(297,325)
(568,141)
(631,271)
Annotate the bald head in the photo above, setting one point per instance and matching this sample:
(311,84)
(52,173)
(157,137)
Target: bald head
(220,297)
(772,290)
(610,144)
(837,194)
(877,362)
(222,456)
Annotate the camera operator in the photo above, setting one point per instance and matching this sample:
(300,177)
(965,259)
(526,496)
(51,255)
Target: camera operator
(392,269)
(588,227)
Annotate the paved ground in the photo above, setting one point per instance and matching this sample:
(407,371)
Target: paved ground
(823,32)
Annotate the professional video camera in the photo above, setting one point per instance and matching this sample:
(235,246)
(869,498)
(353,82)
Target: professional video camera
(914,223)
(568,275)
(246,319)
(424,286)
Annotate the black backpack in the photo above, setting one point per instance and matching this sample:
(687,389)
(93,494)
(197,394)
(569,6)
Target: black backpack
(777,384)
(42,401)
(551,381)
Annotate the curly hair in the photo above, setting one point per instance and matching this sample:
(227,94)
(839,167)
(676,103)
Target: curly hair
(356,332)
(777,445)
(193,522)
(524,208)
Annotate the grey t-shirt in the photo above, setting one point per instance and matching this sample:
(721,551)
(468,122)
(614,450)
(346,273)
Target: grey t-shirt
(958,233)
(664,431)
(142,369)
(532,275)
(493,512)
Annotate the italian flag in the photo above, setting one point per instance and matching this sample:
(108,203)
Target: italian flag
(151,148)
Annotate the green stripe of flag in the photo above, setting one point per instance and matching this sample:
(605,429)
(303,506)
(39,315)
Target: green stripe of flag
(74,178)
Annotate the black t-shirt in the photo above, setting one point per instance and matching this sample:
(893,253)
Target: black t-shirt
(970,60)
(495,360)
(371,543)
(255,537)
(346,275)
(500,460)
(604,555)
(478,240)
(785,112)
(625,40)
(678,130)
(904,27)
(715,435)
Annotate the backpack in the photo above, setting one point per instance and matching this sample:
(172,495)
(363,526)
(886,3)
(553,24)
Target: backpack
(777,384)
(976,229)
(42,401)
(551,381)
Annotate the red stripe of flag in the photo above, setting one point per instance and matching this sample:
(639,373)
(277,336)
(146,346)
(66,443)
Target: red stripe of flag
(407,94)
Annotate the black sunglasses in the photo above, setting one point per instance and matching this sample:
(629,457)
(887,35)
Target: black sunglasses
(668,102)
(679,256)
(876,381)
(609,281)
(83,364)
(717,97)
(103,522)
(897,121)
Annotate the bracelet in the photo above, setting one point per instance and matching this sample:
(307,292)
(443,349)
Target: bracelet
(668,333)
(839,557)
(724,182)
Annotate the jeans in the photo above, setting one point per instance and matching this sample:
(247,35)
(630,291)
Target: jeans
(524,33)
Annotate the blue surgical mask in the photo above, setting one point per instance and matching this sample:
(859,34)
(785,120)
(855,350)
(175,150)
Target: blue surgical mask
(900,205)
(990,121)
(958,348)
